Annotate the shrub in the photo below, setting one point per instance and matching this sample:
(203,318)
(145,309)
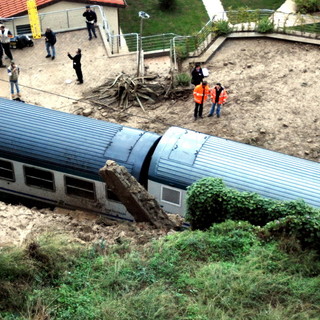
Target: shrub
(167,5)
(210,201)
(221,28)
(181,55)
(265,25)
(307,6)
(306,229)
(182,79)
(204,203)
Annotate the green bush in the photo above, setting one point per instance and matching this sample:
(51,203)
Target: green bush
(167,5)
(210,201)
(221,28)
(307,6)
(182,79)
(306,229)
(204,203)
(265,25)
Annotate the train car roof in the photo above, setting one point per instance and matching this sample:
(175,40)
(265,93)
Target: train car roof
(68,142)
(184,156)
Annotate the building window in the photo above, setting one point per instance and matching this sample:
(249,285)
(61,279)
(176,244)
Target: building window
(171,195)
(39,178)
(6,170)
(24,29)
(80,188)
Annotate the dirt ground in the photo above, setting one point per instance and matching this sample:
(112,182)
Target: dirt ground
(274,94)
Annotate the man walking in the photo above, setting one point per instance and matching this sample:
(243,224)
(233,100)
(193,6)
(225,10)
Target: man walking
(91,20)
(5,36)
(77,65)
(218,97)
(200,94)
(51,40)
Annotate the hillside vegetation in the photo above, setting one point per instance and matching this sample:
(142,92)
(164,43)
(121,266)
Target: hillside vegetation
(186,18)
(226,272)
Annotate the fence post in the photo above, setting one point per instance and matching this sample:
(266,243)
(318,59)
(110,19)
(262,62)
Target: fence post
(68,23)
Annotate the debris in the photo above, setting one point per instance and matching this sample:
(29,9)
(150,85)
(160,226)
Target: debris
(125,91)
(141,205)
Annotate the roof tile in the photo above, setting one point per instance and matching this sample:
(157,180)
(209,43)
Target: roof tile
(18,7)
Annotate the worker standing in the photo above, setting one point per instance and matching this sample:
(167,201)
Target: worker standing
(200,94)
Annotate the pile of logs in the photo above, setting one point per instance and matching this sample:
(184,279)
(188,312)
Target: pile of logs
(125,91)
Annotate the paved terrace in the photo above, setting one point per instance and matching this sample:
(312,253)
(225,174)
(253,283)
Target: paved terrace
(49,76)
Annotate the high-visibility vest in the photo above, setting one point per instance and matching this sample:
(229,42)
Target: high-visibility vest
(222,98)
(201,93)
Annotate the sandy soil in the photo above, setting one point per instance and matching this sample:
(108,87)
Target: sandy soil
(274,95)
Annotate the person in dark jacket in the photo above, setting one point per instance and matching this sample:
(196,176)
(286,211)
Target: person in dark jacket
(91,20)
(1,55)
(197,74)
(51,40)
(77,65)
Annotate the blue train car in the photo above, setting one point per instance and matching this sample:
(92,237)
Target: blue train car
(184,156)
(55,157)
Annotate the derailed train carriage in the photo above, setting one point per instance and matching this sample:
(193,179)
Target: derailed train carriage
(184,156)
(55,157)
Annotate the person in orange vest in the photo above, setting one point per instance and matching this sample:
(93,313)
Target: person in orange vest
(218,97)
(200,94)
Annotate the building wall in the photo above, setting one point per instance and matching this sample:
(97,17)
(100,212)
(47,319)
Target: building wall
(66,15)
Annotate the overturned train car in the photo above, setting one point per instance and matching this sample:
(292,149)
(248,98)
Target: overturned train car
(184,156)
(55,157)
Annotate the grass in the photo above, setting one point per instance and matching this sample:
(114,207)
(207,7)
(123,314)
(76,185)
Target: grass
(312,28)
(223,273)
(252,4)
(188,18)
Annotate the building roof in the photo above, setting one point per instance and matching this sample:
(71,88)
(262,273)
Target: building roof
(19,7)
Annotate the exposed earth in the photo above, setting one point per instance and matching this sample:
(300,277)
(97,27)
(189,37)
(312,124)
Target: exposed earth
(274,94)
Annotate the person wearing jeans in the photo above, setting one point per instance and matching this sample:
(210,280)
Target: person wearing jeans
(51,40)
(91,20)
(13,72)
(218,97)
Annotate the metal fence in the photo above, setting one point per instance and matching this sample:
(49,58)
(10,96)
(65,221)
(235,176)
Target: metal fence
(183,47)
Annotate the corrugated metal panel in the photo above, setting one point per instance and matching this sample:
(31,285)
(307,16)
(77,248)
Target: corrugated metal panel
(243,167)
(42,136)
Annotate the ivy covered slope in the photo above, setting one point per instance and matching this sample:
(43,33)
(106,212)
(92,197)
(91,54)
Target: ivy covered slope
(210,201)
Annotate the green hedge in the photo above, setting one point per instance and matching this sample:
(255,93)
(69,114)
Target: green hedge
(306,229)
(209,201)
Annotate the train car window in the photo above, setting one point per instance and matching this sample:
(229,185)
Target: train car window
(111,195)
(171,195)
(80,188)
(39,178)
(6,170)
